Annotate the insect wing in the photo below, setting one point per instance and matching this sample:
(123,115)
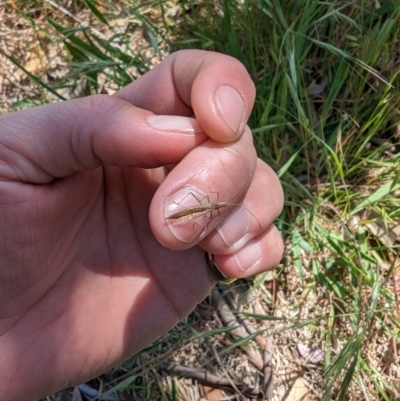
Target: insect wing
(188,211)
(193,212)
(186,215)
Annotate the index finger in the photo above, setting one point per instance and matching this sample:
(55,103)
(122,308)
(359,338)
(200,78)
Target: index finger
(214,87)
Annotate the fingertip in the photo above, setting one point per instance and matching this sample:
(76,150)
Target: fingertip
(231,109)
(222,94)
(225,117)
(257,256)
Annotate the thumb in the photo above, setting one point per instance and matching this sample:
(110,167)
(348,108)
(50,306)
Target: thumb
(57,140)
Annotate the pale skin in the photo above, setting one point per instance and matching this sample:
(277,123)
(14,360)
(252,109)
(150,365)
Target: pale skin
(89,266)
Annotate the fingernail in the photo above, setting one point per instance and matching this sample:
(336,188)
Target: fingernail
(248,256)
(184,215)
(184,125)
(234,229)
(231,107)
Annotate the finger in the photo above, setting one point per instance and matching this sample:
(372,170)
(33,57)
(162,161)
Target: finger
(211,174)
(214,87)
(258,209)
(60,139)
(260,254)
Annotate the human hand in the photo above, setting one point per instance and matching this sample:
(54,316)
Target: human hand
(85,189)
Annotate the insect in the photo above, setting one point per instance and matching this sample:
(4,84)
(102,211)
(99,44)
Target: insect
(189,213)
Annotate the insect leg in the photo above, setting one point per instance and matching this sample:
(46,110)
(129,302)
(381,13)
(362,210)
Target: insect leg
(193,195)
(217,200)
